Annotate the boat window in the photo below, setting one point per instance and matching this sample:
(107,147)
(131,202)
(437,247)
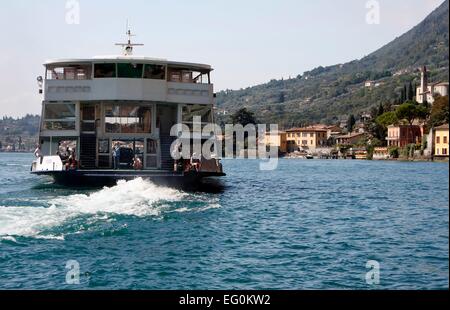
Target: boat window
(60,111)
(57,125)
(59,116)
(175,76)
(151,157)
(103,146)
(151,146)
(188,76)
(191,110)
(55,74)
(139,147)
(72,72)
(155,72)
(130,119)
(144,115)
(200,78)
(127,70)
(105,70)
(112,122)
(69,73)
(83,74)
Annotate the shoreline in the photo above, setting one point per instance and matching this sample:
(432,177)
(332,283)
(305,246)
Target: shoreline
(418,160)
(444,160)
(343,159)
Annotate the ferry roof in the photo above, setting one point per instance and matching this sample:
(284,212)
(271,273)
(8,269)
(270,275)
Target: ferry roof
(121,58)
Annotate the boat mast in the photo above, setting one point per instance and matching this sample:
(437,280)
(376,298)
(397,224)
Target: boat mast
(128,47)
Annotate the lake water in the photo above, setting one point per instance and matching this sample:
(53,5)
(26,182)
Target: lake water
(307,225)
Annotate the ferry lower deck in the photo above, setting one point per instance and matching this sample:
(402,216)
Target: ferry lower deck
(111,177)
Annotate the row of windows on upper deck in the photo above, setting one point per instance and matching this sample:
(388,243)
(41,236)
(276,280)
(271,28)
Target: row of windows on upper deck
(127,70)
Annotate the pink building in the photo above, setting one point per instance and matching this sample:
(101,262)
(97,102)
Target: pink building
(402,135)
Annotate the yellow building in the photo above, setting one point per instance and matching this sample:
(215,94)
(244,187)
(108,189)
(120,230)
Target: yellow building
(277,140)
(306,139)
(441,141)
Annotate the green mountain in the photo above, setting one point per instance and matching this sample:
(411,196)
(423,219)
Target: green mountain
(328,94)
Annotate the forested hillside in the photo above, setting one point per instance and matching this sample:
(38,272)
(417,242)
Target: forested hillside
(327,94)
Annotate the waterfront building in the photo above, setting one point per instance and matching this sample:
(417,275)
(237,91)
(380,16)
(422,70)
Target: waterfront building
(306,139)
(350,138)
(277,139)
(333,131)
(441,141)
(402,135)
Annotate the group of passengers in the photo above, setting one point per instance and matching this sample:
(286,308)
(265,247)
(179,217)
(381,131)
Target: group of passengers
(67,156)
(136,162)
(185,165)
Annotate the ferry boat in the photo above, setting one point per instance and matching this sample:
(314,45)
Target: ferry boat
(109,118)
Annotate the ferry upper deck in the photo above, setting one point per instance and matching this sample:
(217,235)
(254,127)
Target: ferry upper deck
(127,78)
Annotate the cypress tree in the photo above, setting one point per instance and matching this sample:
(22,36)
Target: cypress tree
(402,96)
(351,123)
(410,92)
(380,110)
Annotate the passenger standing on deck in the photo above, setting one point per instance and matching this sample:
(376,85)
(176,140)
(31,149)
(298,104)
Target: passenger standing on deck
(137,163)
(116,156)
(38,153)
(177,152)
(195,162)
(71,162)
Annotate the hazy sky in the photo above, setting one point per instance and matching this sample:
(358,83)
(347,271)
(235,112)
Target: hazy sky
(247,41)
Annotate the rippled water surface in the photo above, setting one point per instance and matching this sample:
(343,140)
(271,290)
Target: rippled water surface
(307,225)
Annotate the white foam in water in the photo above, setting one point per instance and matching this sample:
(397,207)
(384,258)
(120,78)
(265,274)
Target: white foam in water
(137,198)
(200,209)
(9,238)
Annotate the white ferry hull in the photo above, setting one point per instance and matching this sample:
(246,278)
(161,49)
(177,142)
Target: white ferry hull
(95,178)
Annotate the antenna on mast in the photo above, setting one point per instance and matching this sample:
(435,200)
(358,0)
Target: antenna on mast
(128,47)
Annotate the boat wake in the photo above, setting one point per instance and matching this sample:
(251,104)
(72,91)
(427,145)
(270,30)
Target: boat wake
(137,198)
